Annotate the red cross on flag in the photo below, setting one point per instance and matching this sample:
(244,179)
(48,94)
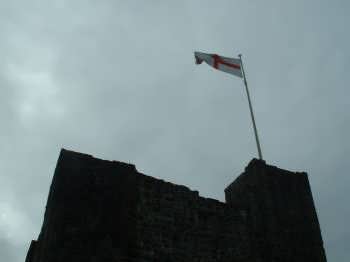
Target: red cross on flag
(225,64)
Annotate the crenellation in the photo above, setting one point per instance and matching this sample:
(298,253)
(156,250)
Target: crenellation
(101,210)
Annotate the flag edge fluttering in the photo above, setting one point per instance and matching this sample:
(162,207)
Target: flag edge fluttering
(225,64)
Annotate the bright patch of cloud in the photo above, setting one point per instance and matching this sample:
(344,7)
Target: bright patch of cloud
(14,224)
(36,92)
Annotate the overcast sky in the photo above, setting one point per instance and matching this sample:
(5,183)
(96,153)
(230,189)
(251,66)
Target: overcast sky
(117,79)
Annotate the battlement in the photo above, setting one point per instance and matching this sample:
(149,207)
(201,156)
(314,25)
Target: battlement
(100,210)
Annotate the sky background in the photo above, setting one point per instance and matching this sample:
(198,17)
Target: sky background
(117,79)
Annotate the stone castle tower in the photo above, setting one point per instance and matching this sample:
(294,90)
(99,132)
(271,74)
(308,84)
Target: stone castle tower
(107,211)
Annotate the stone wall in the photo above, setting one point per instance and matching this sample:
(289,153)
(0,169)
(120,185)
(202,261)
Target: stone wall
(283,218)
(175,224)
(101,210)
(90,212)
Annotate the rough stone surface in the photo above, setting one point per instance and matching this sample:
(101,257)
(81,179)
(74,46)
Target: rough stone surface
(101,210)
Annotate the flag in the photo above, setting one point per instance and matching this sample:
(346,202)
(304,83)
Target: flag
(225,64)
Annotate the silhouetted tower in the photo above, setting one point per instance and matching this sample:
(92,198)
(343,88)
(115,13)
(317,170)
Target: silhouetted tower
(101,210)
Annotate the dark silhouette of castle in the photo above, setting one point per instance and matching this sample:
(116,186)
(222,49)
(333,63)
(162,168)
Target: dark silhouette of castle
(107,211)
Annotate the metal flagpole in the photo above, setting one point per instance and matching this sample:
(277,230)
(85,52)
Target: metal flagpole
(251,108)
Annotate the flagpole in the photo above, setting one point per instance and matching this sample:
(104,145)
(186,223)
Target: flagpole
(251,109)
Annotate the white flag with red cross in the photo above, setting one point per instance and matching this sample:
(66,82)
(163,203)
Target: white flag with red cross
(232,66)
(225,64)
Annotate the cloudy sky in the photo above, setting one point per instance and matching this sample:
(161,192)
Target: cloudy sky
(117,79)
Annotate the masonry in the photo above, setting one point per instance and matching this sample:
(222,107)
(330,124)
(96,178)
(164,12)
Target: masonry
(100,210)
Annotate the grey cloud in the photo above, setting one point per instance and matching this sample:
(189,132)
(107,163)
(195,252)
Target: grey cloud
(7,251)
(117,80)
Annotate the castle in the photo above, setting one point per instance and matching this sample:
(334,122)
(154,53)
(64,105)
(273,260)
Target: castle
(100,210)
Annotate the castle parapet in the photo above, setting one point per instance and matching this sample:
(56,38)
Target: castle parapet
(282,216)
(100,210)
